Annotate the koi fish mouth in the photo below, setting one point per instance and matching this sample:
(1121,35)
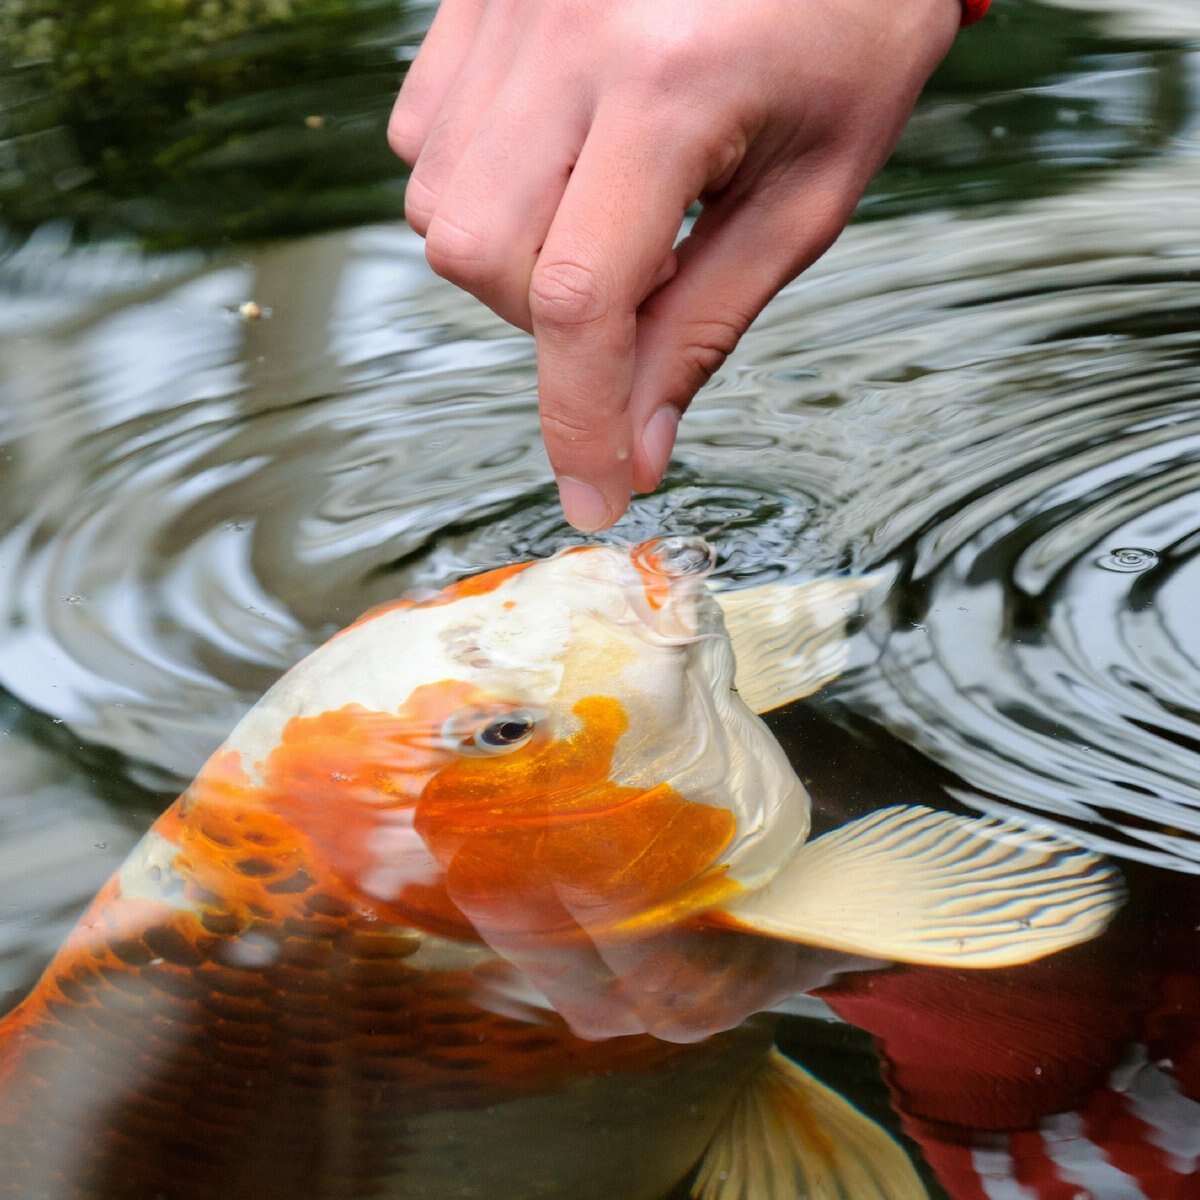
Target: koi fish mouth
(673,599)
(675,557)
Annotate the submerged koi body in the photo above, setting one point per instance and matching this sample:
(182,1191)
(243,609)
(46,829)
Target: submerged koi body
(292,1045)
(482,899)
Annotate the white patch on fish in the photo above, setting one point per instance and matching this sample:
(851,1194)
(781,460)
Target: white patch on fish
(149,873)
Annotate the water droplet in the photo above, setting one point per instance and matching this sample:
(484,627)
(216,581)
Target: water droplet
(100,845)
(1128,559)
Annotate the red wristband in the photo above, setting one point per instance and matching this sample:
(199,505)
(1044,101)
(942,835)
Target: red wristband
(973,10)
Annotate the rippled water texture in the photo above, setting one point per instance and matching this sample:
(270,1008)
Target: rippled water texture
(996,405)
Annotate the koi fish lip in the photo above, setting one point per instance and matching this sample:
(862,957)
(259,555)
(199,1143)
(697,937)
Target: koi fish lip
(671,572)
(674,557)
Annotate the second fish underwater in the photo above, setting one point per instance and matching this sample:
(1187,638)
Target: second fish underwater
(486,897)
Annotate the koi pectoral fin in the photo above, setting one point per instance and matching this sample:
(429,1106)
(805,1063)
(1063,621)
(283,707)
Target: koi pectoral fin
(789,1137)
(910,884)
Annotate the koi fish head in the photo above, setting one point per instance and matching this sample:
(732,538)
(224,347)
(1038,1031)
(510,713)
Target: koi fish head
(549,746)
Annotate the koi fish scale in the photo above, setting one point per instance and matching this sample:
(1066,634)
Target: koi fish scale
(279,1041)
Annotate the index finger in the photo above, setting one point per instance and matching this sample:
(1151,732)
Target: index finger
(605,251)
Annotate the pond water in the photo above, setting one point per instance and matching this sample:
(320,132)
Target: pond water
(988,392)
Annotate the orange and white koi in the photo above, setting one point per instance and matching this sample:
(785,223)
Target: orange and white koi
(482,898)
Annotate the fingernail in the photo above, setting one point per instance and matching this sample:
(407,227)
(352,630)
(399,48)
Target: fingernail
(658,439)
(585,506)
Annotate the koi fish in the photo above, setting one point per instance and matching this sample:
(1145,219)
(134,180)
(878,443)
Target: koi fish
(485,898)
(1075,1075)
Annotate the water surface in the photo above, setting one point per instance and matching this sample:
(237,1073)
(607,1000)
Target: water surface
(989,392)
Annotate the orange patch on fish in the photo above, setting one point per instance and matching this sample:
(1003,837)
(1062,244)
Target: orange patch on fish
(258,879)
(473,585)
(537,840)
(478,585)
(656,583)
(543,840)
(333,782)
(234,853)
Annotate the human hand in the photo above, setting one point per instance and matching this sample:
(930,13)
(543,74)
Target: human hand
(556,145)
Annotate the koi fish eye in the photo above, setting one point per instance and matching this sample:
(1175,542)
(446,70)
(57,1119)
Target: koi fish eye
(479,731)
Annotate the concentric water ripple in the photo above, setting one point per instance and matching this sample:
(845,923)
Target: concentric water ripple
(996,412)
(193,500)
(1041,640)
(1004,418)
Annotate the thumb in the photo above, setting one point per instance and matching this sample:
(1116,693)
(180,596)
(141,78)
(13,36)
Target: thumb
(737,257)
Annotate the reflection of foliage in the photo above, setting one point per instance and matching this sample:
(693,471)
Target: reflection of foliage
(184,121)
(107,41)
(1024,104)
(190,122)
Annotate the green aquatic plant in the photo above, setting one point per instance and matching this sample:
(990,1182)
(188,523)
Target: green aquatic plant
(190,122)
(180,123)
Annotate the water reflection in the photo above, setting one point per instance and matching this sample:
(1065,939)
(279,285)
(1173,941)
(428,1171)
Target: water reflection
(1039,647)
(171,129)
(178,126)
(996,411)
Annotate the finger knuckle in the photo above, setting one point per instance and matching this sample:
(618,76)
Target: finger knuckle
(419,205)
(565,293)
(709,343)
(565,425)
(668,55)
(669,60)
(457,253)
(405,134)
